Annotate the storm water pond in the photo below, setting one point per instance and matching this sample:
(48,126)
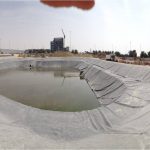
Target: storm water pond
(59,90)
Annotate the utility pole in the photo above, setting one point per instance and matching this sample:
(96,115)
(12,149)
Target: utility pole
(0,43)
(70,40)
(9,45)
(95,47)
(140,47)
(112,47)
(130,46)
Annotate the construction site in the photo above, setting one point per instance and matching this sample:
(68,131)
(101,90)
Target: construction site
(62,89)
(118,104)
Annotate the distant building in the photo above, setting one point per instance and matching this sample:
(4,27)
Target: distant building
(58,44)
(36,51)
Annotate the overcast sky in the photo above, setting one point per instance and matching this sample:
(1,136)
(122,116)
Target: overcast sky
(110,25)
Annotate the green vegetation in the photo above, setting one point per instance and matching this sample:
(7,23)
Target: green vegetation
(145,55)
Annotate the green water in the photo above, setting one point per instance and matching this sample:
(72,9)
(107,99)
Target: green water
(51,90)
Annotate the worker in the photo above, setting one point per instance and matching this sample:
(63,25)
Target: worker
(30,66)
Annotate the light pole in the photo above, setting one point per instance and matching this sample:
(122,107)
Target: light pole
(130,45)
(0,43)
(9,45)
(70,40)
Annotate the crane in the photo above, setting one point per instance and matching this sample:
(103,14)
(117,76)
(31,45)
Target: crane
(63,34)
(64,37)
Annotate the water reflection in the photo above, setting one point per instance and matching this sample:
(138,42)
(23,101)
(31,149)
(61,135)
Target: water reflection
(60,90)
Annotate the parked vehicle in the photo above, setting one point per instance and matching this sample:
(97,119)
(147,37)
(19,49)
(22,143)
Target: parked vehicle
(110,57)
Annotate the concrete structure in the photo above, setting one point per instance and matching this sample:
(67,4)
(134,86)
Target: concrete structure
(36,51)
(11,51)
(57,44)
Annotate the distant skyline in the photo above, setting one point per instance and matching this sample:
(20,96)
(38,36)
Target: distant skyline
(114,25)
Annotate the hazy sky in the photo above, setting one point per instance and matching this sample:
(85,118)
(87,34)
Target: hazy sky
(110,25)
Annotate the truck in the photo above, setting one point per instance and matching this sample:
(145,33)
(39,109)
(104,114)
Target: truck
(110,57)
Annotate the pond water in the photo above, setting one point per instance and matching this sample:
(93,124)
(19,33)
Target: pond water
(59,90)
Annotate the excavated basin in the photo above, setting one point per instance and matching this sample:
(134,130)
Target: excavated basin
(49,89)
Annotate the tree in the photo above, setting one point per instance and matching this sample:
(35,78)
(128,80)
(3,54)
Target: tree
(76,51)
(143,54)
(148,54)
(95,52)
(133,53)
(117,54)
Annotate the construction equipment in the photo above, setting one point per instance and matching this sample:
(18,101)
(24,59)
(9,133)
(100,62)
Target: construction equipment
(64,37)
(63,34)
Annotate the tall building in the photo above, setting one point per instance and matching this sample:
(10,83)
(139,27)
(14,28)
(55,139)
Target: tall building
(57,44)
